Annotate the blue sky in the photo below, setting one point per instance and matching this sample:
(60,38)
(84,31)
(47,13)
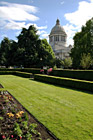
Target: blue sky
(15,14)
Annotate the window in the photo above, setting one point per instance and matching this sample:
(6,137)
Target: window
(63,38)
(51,39)
(56,38)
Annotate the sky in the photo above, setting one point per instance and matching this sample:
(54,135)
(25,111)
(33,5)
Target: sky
(16,14)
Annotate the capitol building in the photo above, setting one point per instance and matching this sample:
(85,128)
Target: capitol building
(57,40)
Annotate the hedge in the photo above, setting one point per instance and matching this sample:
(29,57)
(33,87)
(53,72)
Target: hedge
(6,72)
(73,83)
(23,74)
(77,74)
(29,70)
(8,69)
(17,73)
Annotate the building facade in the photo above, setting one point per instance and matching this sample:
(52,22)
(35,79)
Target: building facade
(57,40)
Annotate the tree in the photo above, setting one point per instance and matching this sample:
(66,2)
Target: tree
(4,52)
(29,51)
(58,63)
(46,53)
(83,43)
(33,52)
(13,55)
(67,62)
(86,61)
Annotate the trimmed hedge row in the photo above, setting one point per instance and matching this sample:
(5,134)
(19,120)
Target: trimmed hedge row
(73,83)
(29,70)
(23,74)
(7,69)
(7,72)
(17,73)
(76,74)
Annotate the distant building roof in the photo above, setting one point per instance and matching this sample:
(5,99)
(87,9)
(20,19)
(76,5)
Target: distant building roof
(58,29)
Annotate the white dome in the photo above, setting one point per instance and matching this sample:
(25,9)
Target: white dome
(58,29)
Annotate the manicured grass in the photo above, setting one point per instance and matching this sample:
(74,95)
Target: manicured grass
(67,113)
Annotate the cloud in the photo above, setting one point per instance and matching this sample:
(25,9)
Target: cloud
(14,25)
(45,35)
(41,32)
(78,18)
(41,27)
(14,16)
(17,12)
(62,2)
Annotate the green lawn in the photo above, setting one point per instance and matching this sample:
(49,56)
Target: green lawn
(67,113)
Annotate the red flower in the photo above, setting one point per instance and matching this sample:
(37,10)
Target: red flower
(3,137)
(20,137)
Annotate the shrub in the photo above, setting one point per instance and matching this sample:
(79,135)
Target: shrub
(73,83)
(77,74)
(23,74)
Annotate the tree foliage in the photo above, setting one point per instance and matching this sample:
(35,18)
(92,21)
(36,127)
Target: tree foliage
(29,51)
(86,61)
(83,43)
(67,63)
(4,52)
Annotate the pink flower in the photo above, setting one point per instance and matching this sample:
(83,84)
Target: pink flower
(12,136)
(3,137)
(20,137)
(50,70)
(41,70)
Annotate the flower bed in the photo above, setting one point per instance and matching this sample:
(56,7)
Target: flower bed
(17,124)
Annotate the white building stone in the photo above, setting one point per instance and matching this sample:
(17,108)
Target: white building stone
(57,40)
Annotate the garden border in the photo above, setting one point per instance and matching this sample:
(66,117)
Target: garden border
(45,128)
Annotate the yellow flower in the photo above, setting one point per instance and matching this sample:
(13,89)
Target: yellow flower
(21,112)
(18,115)
(10,115)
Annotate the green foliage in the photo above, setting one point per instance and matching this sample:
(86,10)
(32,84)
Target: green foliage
(17,130)
(23,74)
(33,52)
(32,128)
(28,136)
(58,62)
(67,62)
(25,124)
(1,118)
(29,51)
(77,74)
(86,61)
(47,54)
(26,116)
(74,83)
(83,43)
(4,52)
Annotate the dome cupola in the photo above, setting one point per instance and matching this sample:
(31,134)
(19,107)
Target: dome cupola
(57,29)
